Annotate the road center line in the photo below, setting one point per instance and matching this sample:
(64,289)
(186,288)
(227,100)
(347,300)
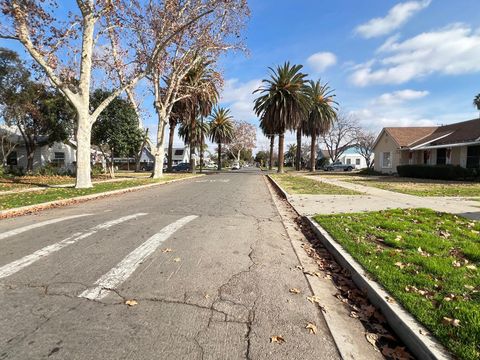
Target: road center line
(128,265)
(17,265)
(37,225)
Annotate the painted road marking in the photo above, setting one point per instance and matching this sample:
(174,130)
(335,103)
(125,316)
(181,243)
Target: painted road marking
(128,265)
(17,265)
(213,181)
(37,225)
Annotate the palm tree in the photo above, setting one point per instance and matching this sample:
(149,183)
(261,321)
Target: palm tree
(283,102)
(476,102)
(221,130)
(321,116)
(268,131)
(201,84)
(196,139)
(176,117)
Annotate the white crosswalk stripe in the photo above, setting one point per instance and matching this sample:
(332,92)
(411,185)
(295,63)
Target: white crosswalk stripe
(127,266)
(37,225)
(17,265)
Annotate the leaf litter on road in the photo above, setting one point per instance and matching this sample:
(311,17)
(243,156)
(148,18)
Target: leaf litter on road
(277,339)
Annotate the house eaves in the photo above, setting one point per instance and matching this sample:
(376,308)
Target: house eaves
(419,146)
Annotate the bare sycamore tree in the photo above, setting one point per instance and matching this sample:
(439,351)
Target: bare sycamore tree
(216,29)
(365,144)
(244,138)
(342,135)
(69,48)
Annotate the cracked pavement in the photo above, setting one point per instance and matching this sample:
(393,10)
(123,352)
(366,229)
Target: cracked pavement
(221,293)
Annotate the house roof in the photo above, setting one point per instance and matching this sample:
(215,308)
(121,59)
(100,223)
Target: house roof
(462,132)
(405,136)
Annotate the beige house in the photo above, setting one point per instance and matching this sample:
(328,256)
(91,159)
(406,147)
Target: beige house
(455,144)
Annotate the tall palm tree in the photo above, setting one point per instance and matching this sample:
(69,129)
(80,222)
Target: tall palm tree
(269,132)
(176,117)
(201,85)
(322,114)
(283,102)
(476,102)
(221,130)
(194,139)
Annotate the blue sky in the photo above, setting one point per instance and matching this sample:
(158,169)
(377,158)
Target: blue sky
(392,63)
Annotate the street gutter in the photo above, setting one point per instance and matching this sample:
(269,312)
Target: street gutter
(24,210)
(415,336)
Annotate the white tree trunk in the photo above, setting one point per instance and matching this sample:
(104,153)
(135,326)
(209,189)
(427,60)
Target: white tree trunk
(84,134)
(160,148)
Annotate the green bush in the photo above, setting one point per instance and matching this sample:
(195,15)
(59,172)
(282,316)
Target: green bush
(371,171)
(97,169)
(438,172)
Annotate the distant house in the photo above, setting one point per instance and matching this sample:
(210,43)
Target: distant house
(349,157)
(456,144)
(59,154)
(179,155)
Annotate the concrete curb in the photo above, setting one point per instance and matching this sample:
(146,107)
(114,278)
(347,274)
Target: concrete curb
(282,192)
(413,334)
(410,331)
(64,202)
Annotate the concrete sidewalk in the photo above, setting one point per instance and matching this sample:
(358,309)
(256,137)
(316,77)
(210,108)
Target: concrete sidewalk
(374,199)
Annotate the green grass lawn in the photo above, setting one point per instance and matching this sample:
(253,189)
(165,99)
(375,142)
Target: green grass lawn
(297,184)
(10,201)
(428,261)
(421,187)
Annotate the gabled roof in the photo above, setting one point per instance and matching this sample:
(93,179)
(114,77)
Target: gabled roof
(405,136)
(462,132)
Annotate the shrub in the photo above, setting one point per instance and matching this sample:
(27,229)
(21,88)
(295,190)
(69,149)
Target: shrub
(371,171)
(97,169)
(438,172)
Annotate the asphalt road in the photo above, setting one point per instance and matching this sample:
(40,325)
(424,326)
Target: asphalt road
(221,292)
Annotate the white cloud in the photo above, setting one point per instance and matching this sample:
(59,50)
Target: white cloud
(321,61)
(400,96)
(453,50)
(239,98)
(396,17)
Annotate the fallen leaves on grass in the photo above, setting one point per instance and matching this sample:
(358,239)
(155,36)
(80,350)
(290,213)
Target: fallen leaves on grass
(278,339)
(312,328)
(131,302)
(450,321)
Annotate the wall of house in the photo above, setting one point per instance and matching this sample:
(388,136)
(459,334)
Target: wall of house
(386,144)
(47,154)
(353,160)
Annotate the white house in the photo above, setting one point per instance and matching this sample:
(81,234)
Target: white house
(59,154)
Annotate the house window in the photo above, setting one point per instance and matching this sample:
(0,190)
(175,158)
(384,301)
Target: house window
(178,152)
(357,161)
(473,157)
(387,160)
(12,159)
(59,159)
(349,161)
(441,156)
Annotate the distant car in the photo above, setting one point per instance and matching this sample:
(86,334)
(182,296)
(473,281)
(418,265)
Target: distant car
(338,166)
(147,167)
(182,167)
(236,166)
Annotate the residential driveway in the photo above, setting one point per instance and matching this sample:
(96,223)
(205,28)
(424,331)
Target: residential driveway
(207,261)
(374,199)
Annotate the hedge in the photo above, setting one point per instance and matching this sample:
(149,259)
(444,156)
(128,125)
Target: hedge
(438,172)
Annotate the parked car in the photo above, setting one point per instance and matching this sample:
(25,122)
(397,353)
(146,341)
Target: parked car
(147,167)
(338,166)
(236,166)
(182,167)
